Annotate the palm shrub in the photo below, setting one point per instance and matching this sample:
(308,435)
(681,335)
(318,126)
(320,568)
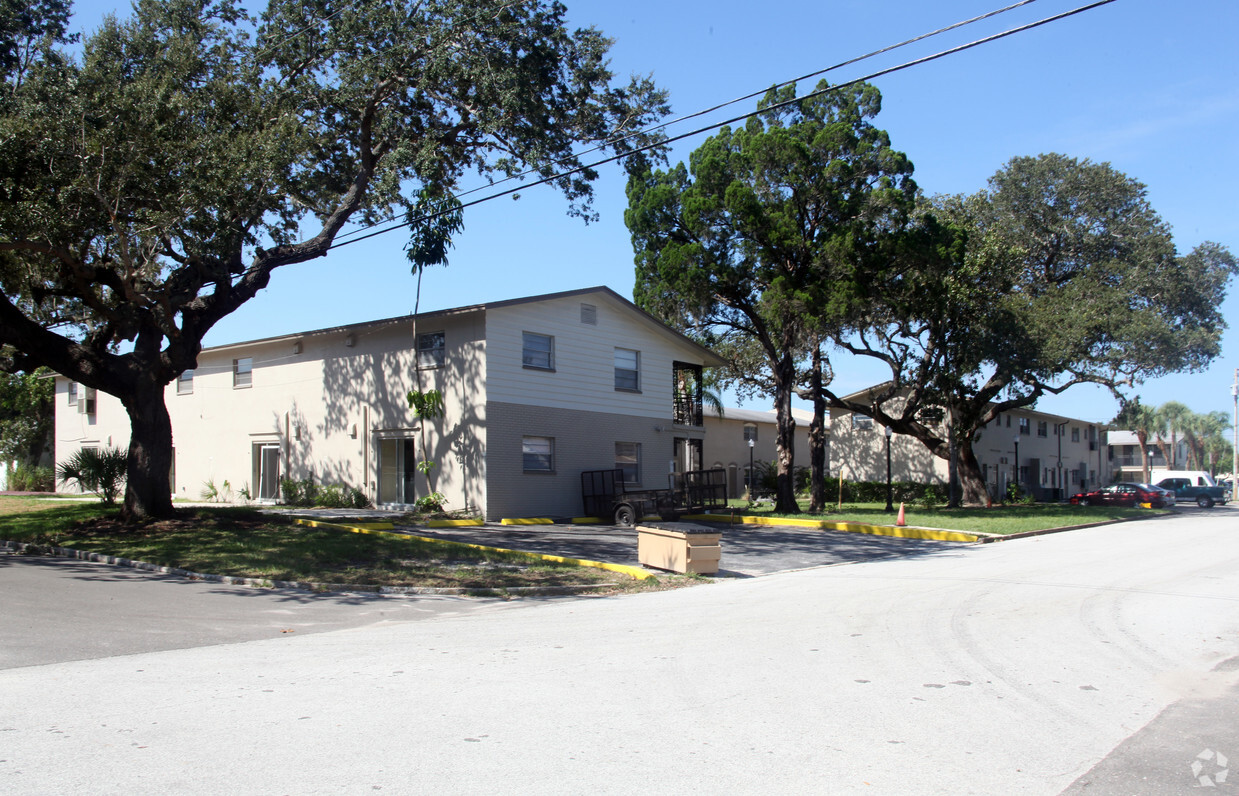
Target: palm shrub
(99,470)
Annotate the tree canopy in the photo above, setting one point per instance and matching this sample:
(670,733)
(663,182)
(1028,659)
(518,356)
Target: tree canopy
(154,182)
(1061,273)
(760,242)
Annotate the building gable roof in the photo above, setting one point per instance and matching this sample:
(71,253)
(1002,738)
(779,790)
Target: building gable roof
(708,357)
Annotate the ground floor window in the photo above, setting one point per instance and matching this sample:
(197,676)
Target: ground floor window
(397,470)
(628,460)
(538,454)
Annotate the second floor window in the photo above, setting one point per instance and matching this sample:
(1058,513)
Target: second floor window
(627,369)
(73,393)
(1042,428)
(1075,437)
(750,433)
(537,351)
(185,382)
(431,350)
(243,372)
(1025,426)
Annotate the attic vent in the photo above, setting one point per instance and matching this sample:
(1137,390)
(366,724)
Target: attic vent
(589,314)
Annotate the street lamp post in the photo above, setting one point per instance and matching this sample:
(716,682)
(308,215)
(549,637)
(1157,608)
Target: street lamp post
(890,505)
(1016,468)
(751,443)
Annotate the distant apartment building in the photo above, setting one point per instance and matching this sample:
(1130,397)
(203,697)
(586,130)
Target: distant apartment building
(728,437)
(1049,455)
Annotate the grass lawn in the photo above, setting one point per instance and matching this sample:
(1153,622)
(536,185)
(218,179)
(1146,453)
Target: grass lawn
(1000,519)
(245,543)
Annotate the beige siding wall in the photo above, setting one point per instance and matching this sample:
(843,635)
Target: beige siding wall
(108,426)
(859,454)
(314,396)
(583,441)
(584,374)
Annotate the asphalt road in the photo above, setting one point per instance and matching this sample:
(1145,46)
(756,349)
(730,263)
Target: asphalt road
(58,609)
(1101,660)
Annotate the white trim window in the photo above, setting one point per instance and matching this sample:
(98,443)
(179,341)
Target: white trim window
(73,393)
(538,454)
(627,370)
(1025,426)
(537,351)
(628,459)
(242,372)
(750,432)
(185,383)
(431,350)
(1043,428)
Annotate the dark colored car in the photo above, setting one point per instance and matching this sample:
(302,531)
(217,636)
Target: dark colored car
(1125,494)
(1200,492)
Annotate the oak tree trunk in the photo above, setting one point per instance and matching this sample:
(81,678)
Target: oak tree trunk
(148,486)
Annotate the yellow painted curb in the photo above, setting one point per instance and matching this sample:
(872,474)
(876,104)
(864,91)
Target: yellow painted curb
(527,521)
(373,526)
(851,527)
(637,573)
(453,523)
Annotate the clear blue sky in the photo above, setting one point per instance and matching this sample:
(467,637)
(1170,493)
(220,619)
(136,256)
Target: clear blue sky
(1148,86)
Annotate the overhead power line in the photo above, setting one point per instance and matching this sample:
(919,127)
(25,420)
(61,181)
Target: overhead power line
(720,106)
(820,92)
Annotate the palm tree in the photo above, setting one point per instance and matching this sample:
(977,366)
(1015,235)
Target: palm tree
(1172,418)
(1141,421)
(1200,430)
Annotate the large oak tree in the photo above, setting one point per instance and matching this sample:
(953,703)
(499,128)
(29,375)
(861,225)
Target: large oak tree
(766,238)
(152,183)
(1060,274)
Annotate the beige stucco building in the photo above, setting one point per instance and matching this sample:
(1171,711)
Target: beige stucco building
(535,390)
(1057,456)
(727,442)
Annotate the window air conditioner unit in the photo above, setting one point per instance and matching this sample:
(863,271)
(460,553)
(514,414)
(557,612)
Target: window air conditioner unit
(87,398)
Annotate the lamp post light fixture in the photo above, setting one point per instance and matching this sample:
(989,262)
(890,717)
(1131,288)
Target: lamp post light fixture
(890,505)
(751,445)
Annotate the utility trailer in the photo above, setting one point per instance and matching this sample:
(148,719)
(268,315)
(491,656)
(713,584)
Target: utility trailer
(604,495)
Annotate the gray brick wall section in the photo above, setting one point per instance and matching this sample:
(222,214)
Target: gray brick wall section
(583,441)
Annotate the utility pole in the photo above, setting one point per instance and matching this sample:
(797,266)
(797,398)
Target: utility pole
(1234,463)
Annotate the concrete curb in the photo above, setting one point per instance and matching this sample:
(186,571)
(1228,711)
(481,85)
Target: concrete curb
(901,532)
(637,573)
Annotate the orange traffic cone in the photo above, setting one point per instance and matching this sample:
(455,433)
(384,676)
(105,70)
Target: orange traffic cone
(899,521)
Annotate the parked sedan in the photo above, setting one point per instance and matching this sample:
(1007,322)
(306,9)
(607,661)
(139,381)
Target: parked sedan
(1125,494)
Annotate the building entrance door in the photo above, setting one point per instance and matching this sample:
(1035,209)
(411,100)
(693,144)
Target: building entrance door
(397,470)
(266,470)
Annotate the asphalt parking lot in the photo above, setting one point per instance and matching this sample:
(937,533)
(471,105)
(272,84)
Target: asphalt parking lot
(747,550)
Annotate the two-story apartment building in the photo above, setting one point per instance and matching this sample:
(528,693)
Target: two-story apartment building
(1050,456)
(1126,462)
(535,390)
